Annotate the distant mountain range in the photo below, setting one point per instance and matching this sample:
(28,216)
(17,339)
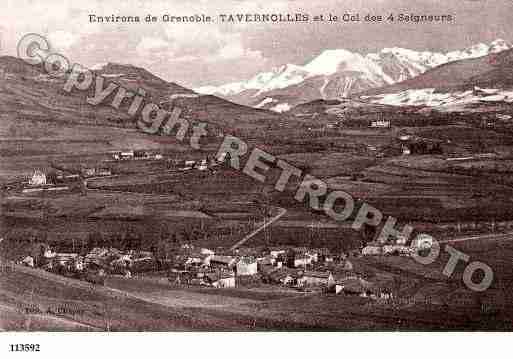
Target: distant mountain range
(30,99)
(341,73)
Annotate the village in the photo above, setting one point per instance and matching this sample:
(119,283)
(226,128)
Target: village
(296,268)
(301,269)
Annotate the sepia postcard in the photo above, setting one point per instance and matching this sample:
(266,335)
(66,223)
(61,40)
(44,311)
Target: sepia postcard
(256,166)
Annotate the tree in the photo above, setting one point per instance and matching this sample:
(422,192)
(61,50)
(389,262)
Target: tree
(264,203)
(95,239)
(51,177)
(368,233)
(396,286)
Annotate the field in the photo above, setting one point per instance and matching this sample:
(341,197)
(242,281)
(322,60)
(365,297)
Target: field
(163,307)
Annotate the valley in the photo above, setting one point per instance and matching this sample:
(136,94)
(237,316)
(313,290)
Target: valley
(96,212)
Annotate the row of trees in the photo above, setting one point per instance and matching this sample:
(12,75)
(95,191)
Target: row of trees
(137,238)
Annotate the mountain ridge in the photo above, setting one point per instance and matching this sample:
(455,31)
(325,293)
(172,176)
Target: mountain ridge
(453,85)
(27,92)
(336,73)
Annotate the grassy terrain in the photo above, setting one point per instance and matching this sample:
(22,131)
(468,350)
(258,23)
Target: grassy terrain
(138,305)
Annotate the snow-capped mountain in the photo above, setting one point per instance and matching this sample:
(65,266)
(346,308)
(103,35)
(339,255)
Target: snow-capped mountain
(443,101)
(339,73)
(281,77)
(455,86)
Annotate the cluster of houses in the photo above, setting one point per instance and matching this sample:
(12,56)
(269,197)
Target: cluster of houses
(41,179)
(96,172)
(59,180)
(98,262)
(380,123)
(201,266)
(304,269)
(298,268)
(39,182)
(38,178)
(202,164)
(399,247)
(411,144)
(135,155)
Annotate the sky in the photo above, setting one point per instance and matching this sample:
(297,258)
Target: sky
(197,54)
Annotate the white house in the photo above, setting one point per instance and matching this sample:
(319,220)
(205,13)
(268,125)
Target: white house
(422,241)
(28,261)
(353,286)
(65,258)
(127,155)
(282,276)
(314,256)
(199,259)
(38,179)
(225,261)
(48,253)
(372,250)
(503,117)
(312,278)
(221,280)
(189,164)
(396,249)
(202,166)
(79,264)
(380,124)
(226,282)
(247,266)
(276,253)
(302,260)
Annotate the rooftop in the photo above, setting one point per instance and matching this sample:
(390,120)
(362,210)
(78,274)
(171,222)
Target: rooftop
(316,274)
(222,259)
